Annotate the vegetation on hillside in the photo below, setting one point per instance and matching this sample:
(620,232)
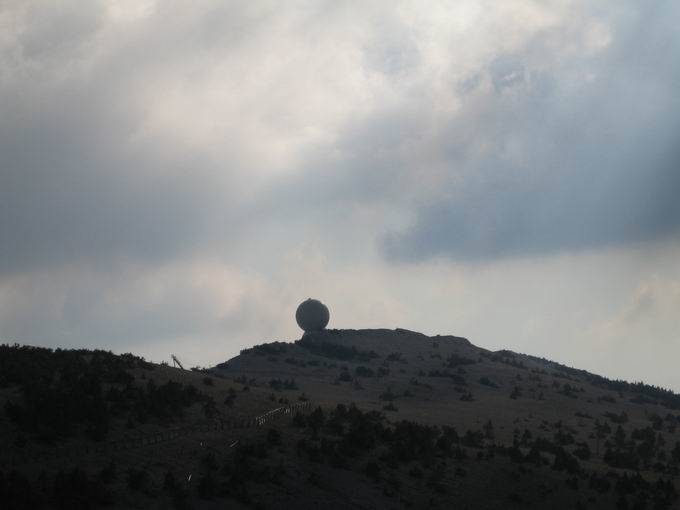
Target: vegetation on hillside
(336,351)
(67,393)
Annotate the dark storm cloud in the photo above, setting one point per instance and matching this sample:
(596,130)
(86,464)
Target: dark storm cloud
(71,189)
(80,181)
(176,176)
(556,163)
(539,157)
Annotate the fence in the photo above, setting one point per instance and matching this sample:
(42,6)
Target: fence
(12,456)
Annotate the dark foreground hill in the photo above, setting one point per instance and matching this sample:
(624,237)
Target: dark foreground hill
(361,419)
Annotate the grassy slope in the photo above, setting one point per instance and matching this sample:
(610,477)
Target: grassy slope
(40,462)
(428,376)
(543,407)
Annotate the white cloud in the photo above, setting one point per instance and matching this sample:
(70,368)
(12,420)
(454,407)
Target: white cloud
(180,175)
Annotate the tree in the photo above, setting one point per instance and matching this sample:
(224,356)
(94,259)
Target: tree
(488,430)
(619,437)
(316,420)
(675,453)
(207,486)
(387,395)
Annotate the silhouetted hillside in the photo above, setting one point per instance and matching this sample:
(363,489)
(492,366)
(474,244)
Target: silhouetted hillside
(338,419)
(539,432)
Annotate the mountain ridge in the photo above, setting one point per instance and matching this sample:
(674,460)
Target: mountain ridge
(392,418)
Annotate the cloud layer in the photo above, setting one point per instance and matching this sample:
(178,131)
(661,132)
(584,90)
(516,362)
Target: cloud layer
(561,150)
(179,176)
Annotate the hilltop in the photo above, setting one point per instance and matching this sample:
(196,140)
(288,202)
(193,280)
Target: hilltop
(539,432)
(357,419)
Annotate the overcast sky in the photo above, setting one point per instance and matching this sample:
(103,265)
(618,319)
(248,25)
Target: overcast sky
(176,176)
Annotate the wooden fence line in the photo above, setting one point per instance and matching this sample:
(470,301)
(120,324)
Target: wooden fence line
(12,457)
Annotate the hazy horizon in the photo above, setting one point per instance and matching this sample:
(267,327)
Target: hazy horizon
(177,177)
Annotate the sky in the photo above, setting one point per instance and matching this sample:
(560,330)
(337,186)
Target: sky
(176,177)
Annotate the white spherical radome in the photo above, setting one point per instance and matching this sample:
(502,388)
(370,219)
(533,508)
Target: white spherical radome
(312,315)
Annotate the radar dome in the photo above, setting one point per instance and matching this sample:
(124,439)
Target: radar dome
(312,315)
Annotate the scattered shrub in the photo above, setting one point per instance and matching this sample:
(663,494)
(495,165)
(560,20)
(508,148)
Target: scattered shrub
(362,371)
(484,380)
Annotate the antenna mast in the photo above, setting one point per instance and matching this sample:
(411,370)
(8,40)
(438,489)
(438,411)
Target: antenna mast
(176,363)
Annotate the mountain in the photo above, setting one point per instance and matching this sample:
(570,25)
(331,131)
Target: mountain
(338,419)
